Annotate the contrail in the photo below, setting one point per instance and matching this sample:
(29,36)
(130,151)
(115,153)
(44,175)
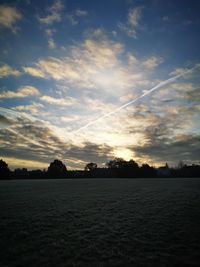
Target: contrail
(161,84)
(19,114)
(23,114)
(23,137)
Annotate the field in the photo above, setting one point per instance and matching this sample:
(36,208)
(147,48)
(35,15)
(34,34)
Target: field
(100,222)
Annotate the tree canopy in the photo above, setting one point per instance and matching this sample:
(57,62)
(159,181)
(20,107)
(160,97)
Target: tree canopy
(57,168)
(4,170)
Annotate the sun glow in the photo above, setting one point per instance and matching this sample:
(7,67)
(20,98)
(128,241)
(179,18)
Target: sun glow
(123,153)
(105,78)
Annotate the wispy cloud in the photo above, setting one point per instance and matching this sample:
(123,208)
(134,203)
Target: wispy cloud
(58,101)
(51,43)
(180,71)
(9,16)
(81,13)
(21,92)
(131,26)
(6,70)
(34,108)
(34,72)
(75,16)
(94,64)
(152,62)
(70,118)
(53,13)
(72,19)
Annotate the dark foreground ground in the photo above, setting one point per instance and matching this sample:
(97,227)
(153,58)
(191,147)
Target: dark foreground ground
(108,222)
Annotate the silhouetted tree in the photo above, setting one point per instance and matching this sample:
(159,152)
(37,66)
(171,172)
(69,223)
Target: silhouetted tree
(4,170)
(124,168)
(121,163)
(132,164)
(129,169)
(37,174)
(116,163)
(147,171)
(21,173)
(57,169)
(90,166)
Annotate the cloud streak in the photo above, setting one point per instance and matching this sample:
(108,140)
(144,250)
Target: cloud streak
(58,101)
(130,28)
(20,93)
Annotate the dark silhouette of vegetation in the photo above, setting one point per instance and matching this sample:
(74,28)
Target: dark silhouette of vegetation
(90,166)
(124,168)
(57,169)
(25,174)
(147,171)
(116,168)
(4,170)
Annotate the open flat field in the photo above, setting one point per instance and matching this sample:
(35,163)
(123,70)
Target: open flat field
(100,222)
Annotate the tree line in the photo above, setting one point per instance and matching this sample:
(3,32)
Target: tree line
(116,168)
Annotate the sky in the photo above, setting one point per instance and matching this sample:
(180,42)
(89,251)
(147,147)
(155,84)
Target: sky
(69,68)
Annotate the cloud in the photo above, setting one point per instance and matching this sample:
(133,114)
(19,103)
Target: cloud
(21,92)
(144,131)
(180,71)
(130,28)
(34,108)
(5,122)
(34,72)
(72,19)
(152,62)
(54,13)
(50,32)
(193,95)
(36,142)
(165,134)
(6,70)
(183,147)
(54,68)
(102,75)
(132,60)
(91,152)
(9,16)
(95,65)
(81,60)
(51,43)
(81,13)
(177,91)
(58,101)
(70,118)
(75,16)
